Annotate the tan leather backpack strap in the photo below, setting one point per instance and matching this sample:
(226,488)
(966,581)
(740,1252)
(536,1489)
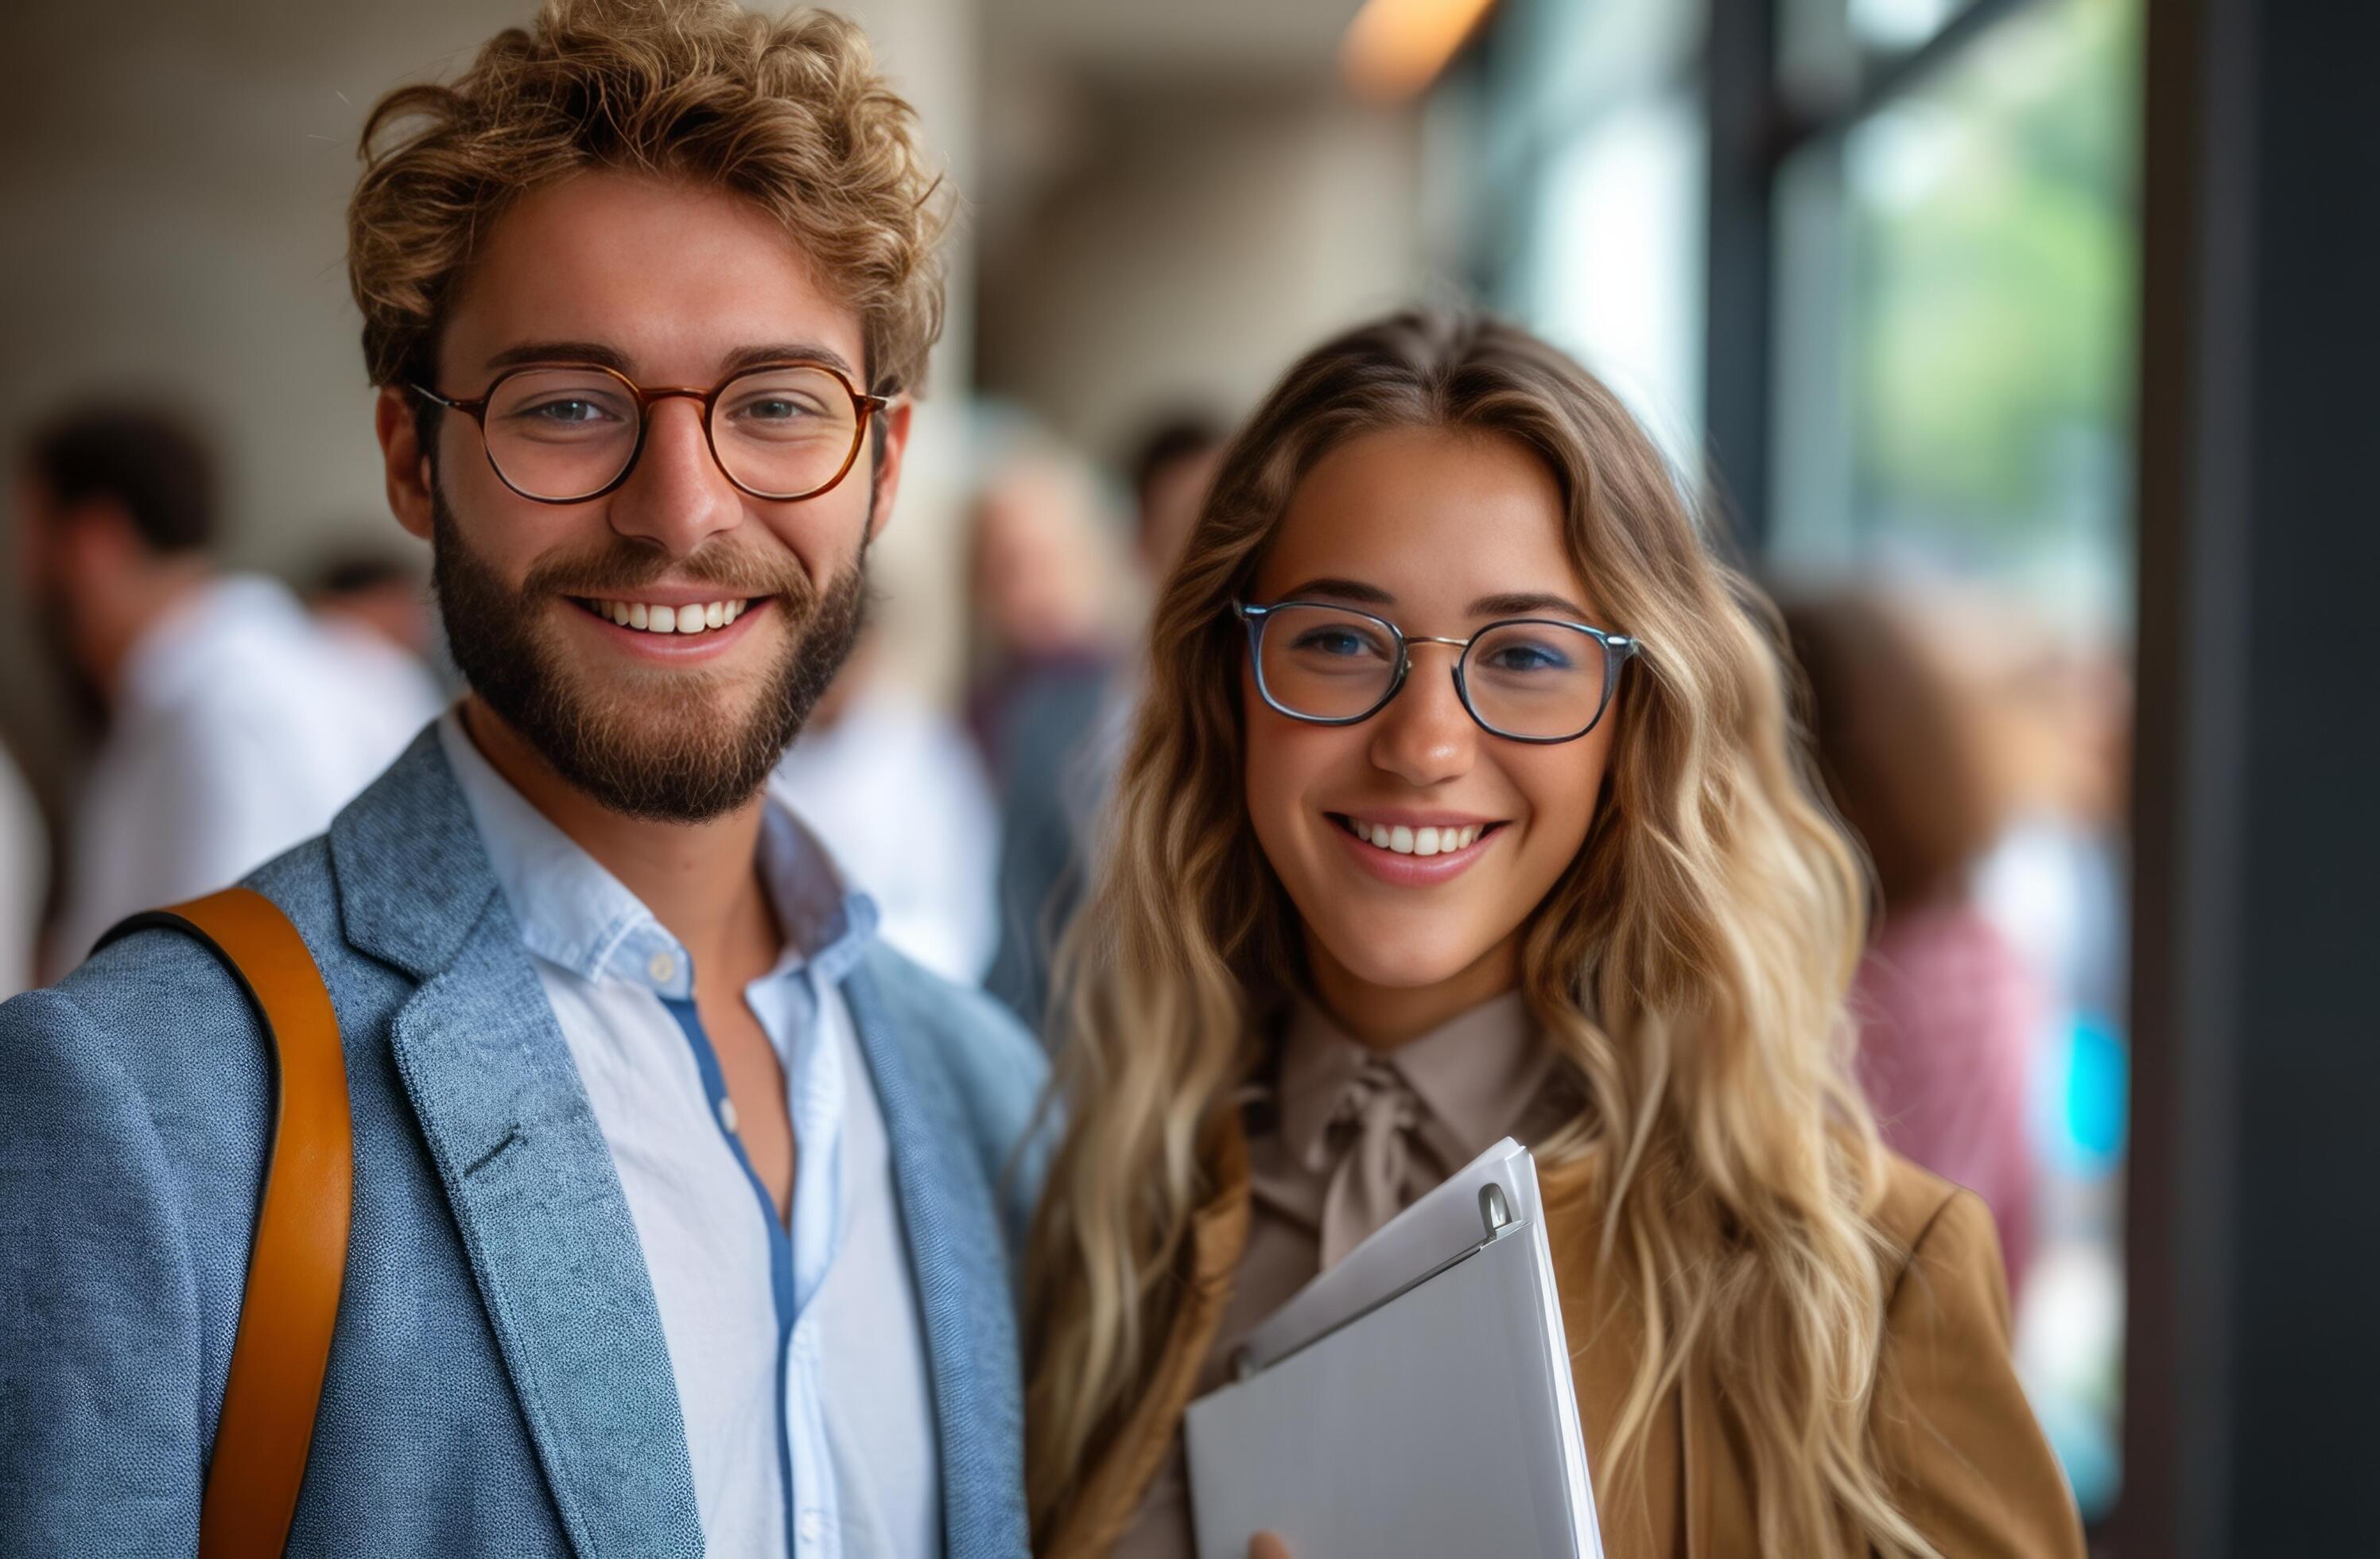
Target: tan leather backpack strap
(299,1258)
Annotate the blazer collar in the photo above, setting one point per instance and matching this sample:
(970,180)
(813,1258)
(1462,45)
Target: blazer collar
(528,1175)
(411,872)
(964,1296)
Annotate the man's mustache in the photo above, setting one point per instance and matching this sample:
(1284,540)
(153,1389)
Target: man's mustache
(620,568)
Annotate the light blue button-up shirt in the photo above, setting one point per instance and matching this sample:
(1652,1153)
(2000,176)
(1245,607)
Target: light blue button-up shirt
(797,1350)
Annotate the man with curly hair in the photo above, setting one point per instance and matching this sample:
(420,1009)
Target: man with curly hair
(682,1204)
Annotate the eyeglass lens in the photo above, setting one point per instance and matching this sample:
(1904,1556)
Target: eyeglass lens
(1529,679)
(567,433)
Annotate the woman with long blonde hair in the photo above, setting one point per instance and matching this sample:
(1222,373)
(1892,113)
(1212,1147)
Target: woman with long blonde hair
(1466,801)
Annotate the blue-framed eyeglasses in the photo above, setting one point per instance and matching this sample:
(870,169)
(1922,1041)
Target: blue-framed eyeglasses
(1529,679)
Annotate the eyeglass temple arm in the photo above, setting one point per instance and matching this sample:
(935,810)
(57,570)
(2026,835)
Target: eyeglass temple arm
(449,402)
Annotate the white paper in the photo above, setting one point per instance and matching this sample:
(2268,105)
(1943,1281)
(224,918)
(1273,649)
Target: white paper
(1396,1419)
(1444,1224)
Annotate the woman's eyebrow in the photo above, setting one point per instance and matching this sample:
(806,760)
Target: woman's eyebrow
(1345,589)
(1520,604)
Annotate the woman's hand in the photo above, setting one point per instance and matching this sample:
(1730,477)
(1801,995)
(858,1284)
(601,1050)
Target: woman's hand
(1267,1545)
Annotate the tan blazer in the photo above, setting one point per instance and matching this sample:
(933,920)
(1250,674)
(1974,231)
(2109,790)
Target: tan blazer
(1973,1470)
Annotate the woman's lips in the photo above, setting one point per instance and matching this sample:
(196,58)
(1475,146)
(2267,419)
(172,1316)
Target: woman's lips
(1414,870)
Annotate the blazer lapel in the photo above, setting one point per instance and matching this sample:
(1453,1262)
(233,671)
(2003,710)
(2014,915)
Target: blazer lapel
(964,1293)
(528,1174)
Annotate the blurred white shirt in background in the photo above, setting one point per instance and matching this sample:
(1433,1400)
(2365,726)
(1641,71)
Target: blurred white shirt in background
(24,878)
(896,790)
(241,728)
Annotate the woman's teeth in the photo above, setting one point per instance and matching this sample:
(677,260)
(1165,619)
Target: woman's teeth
(1404,841)
(694,619)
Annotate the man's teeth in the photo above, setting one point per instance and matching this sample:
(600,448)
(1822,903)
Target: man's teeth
(1406,840)
(669,619)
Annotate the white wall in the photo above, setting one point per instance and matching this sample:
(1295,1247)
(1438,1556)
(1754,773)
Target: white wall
(1199,241)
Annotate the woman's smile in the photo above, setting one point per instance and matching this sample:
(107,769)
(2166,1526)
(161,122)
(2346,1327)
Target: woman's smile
(1413,850)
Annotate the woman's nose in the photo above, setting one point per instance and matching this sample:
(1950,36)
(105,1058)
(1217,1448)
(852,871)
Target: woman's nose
(1426,737)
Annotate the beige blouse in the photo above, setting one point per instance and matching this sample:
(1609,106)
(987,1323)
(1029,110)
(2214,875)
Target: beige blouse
(1341,1141)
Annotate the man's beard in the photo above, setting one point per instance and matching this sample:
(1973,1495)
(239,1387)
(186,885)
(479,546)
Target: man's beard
(653,743)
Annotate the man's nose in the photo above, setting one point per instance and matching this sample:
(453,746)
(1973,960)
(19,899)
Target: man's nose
(678,496)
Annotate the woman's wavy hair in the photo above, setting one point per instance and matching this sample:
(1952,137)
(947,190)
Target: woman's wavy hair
(1690,966)
(790,112)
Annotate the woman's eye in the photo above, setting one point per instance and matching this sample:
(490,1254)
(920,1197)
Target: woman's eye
(1527,657)
(1335,642)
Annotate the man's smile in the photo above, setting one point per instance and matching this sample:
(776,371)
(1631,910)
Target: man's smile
(662,617)
(676,630)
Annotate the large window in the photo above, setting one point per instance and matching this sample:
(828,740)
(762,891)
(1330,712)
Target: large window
(1591,129)
(1952,424)
(1956,304)
(1925,252)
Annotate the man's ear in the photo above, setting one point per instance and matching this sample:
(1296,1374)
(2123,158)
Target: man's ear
(895,418)
(405,464)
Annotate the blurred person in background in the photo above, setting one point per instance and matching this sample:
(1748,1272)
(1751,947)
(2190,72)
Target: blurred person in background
(376,593)
(1172,465)
(24,879)
(1949,1011)
(230,724)
(1042,600)
(1046,606)
(2053,885)
(379,597)
(898,787)
(2053,881)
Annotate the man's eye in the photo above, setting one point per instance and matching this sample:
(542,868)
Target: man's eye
(568,411)
(777,409)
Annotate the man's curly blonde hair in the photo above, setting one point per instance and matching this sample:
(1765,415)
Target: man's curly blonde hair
(790,112)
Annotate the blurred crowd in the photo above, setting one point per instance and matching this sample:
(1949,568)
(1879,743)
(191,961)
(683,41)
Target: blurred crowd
(218,717)
(1981,757)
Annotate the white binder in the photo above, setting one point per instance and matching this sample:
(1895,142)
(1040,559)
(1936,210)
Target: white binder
(1415,1401)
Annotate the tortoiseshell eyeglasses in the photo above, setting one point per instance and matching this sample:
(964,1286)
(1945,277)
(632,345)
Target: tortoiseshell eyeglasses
(565,434)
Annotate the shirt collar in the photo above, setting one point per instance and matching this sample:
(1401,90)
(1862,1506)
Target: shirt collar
(574,913)
(828,922)
(1477,1074)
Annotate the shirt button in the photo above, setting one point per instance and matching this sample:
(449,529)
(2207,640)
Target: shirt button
(811,1526)
(727,1113)
(663,969)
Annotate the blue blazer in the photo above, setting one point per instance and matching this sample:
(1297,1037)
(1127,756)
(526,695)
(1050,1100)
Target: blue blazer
(498,1382)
